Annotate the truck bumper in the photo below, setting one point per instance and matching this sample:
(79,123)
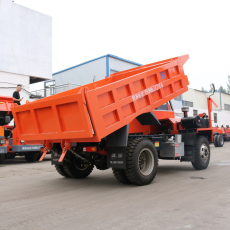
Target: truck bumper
(26,148)
(3,149)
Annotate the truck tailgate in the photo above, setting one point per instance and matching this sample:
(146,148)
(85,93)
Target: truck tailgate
(54,119)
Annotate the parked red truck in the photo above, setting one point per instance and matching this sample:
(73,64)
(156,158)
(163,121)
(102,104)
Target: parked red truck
(9,140)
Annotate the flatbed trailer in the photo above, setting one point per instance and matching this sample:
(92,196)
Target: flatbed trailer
(117,122)
(10,145)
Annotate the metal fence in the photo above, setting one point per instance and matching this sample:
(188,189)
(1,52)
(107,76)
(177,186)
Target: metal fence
(53,90)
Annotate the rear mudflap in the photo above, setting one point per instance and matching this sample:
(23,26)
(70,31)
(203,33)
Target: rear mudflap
(189,153)
(116,157)
(55,156)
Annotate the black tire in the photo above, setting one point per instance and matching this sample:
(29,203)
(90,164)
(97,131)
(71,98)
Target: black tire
(142,161)
(77,168)
(2,158)
(10,155)
(202,153)
(120,175)
(215,140)
(220,141)
(61,171)
(31,157)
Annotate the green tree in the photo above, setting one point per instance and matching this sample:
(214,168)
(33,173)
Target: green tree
(203,90)
(222,89)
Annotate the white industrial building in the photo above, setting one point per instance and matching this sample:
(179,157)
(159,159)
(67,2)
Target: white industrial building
(85,73)
(26,48)
(197,101)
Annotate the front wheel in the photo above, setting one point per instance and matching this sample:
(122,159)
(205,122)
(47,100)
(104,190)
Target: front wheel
(142,161)
(202,153)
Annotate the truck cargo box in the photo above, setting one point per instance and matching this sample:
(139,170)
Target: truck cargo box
(93,111)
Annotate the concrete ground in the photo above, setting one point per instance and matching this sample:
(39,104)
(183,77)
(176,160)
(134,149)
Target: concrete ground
(35,196)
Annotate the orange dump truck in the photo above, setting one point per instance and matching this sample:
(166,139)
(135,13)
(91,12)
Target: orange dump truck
(124,121)
(9,141)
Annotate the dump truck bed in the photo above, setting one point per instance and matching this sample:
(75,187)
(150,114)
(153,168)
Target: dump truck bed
(93,111)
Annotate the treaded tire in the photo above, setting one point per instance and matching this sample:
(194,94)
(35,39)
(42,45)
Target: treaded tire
(133,170)
(31,157)
(220,141)
(74,171)
(120,175)
(61,171)
(2,158)
(10,156)
(199,164)
(215,140)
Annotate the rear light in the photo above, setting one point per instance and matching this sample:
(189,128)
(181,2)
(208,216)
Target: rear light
(2,142)
(42,150)
(90,149)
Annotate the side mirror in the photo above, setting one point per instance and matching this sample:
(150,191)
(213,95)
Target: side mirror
(212,87)
(7,119)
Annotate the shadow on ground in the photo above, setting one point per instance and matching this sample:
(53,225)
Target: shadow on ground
(100,179)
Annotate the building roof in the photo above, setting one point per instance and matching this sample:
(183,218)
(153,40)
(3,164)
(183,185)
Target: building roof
(107,55)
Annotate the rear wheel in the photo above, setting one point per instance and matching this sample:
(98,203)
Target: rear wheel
(61,171)
(31,157)
(142,161)
(202,154)
(220,141)
(121,176)
(2,158)
(76,168)
(215,140)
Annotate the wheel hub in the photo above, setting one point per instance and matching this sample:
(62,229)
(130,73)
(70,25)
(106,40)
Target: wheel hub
(204,152)
(146,161)
(79,164)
